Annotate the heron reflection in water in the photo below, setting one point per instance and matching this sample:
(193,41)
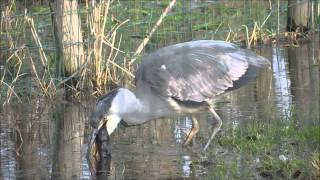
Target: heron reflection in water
(180,79)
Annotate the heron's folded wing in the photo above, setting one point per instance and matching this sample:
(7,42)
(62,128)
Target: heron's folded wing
(195,72)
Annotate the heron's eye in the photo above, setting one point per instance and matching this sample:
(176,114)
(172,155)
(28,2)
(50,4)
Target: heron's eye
(124,123)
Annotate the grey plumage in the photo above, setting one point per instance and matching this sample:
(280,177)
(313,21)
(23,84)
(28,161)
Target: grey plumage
(196,70)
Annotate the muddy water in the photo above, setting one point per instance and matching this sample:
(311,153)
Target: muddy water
(44,140)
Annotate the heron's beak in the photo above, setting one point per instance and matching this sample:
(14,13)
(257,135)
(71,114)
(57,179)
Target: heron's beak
(112,123)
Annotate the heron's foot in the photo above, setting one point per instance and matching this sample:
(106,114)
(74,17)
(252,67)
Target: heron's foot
(193,132)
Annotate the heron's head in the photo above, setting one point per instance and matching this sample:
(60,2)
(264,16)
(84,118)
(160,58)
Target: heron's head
(111,108)
(104,112)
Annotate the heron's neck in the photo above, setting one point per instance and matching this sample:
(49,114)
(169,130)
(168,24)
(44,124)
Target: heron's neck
(125,102)
(125,106)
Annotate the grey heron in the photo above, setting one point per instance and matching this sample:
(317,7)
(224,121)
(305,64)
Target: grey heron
(180,79)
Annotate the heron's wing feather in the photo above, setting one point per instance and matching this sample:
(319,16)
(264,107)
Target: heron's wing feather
(195,71)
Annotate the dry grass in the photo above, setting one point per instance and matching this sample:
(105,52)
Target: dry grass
(13,58)
(103,52)
(102,66)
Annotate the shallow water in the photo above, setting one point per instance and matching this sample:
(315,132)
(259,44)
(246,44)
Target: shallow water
(45,140)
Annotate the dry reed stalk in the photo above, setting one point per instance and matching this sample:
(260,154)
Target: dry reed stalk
(12,90)
(51,86)
(229,33)
(43,57)
(48,89)
(6,24)
(2,78)
(253,38)
(17,75)
(114,75)
(103,72)
(270,5)
(217,29)
(97,24)
(106,11)
(155,27)
(122,68)
(251,41)
(106,42)
(247,36)
(264,22)
(113,36)
(42,86)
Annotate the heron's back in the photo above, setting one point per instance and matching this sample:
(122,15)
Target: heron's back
(198,70)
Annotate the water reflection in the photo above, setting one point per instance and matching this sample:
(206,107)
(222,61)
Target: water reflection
(282,82)
(42,141)
(304,67)
(182,128)
(186,166)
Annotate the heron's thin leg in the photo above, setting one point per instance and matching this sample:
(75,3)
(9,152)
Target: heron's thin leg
(193,132)
(216,128)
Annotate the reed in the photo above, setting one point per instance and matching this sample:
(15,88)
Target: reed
(102,67)
(13,60)
(45,82)
(103,48)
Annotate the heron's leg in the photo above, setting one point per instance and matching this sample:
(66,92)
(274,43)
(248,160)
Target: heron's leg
(216,128)
(193,132)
